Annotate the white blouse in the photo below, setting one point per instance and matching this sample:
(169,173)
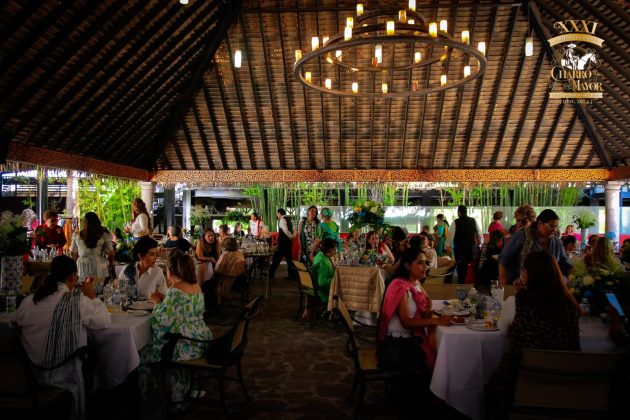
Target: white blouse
(140,226)
(35,319)
(395,327)
(150,282)
(253,227)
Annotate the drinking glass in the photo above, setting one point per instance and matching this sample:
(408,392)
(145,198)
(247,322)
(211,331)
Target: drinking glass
(461,293)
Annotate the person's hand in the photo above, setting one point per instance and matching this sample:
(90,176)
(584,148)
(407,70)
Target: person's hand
(444,321)
(156,297)
(87,287)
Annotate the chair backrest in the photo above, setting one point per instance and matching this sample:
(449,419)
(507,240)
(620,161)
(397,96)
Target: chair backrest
(440,274)
(443,291)
(299,266)
(305,280)
(342,310)
(565,380)
(251,309)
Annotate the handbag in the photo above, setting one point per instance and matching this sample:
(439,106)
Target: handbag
(471,277)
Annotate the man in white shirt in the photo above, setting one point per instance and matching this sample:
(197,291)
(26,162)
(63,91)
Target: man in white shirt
(285,244)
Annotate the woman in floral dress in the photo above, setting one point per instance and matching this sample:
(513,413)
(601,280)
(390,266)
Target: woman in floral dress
(181,311)
(308,233)
(92,248)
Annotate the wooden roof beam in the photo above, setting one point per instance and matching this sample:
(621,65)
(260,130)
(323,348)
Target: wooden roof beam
(202,134)
(214,123)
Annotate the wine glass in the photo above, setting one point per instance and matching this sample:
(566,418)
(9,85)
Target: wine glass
(461,293)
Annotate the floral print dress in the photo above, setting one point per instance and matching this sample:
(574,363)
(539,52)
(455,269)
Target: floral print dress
(182,313)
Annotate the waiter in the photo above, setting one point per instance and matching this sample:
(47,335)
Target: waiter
(285,236)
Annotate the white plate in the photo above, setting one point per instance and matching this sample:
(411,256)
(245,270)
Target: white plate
(452,312)
(137,312)
(142,305)
(480,326)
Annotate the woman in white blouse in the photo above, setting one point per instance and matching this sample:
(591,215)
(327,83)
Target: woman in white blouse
(256,225)
(141,224)
(142,274)
(54,323)
(92,248)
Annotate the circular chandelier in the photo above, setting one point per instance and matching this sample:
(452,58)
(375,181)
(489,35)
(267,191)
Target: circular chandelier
(389,53)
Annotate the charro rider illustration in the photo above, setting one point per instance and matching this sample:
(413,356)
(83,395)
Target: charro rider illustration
(577,58)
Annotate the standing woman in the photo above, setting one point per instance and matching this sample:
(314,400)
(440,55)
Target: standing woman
(92,248)
(142,273)
(256,225)
(54,323)
(327,229)
(307,233)
(141,224)
(441,232)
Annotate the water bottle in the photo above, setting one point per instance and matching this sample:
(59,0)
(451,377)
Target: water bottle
(586,308)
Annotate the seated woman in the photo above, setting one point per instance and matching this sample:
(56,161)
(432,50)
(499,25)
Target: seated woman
(372,245)
(175,240)
(544,315)
(354,244)
(181,311)
(142,274)
(488,266)
(49,234)
(208,249)
(569,242)
(323,267)
(603,256)
(92,248)
(238,230)
(54,324)
(224,233)
(230,269)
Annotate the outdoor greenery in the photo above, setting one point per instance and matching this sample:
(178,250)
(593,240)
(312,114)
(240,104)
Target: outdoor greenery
(109,198)
(584,219)
(12,234)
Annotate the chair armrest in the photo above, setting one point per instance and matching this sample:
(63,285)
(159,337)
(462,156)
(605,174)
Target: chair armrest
(81,353)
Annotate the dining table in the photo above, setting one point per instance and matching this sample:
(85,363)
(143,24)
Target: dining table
(116,347)
(257,264)
(466,359)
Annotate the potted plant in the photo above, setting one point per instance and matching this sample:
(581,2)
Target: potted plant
(13,246)
(584,219)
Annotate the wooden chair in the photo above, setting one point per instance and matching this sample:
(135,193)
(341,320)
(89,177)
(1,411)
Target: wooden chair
(221,354)
(443,291)
(441,275)
(21,396)
(364,358)
(563,384)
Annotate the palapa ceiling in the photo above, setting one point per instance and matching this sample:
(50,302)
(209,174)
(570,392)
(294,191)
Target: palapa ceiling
(150,84)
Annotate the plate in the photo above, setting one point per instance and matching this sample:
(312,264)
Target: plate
(142,305)
(137,312)
(480,326)
(452,312)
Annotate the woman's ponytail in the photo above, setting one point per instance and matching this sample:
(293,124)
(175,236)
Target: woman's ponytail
(60,268)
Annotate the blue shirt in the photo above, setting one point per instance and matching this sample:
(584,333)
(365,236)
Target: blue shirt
(510,257)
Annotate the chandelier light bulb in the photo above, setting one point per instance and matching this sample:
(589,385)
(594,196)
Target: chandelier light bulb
(328,84)
(183,1)
(308,76)
(339,55)
(314,43)
(411,22)
(355,87)
(298,55)
(329,59)
(414,85)
(347,33)
(443,25)
(433,29)
(384,88)
(378,53)
(359,9)
(237,59)
(466,71)
(466,37)
(391,27)
(402,16)
(443,80)
(529,46)
(482,47)
(417,57)
(325,39)
(349,21)
(412,5)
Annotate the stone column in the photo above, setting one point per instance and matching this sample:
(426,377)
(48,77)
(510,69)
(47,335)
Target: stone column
(169,206)
(42,194)
(612,196)
(146,194)
(187,208)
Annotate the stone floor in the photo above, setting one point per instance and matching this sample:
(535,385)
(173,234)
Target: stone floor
(295,370)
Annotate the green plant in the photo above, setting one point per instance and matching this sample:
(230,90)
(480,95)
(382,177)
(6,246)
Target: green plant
(201,217)
(584,219)
(12,234)
(109,198)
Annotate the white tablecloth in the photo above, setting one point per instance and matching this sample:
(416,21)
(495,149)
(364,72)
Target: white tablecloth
(118,347)
(467,358)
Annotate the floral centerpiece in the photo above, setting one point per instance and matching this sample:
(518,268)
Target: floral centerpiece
(368,214)
(584,220)
(123,251)
(593,284)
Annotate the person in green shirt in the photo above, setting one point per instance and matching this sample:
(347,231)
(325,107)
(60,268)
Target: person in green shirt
(323,269)
(328,229)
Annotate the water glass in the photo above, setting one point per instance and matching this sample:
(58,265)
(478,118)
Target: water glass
(497,290)
(461,293)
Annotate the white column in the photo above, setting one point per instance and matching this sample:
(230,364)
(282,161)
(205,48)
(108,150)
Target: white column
(187,208)
(612,191)
(146,194)
(72,190)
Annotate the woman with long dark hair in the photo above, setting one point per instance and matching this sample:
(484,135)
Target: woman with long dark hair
(307,233)
(142,274)
(372,244)
(92,248)
(141,224)
(54,323)
(208,249)
(545,316)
